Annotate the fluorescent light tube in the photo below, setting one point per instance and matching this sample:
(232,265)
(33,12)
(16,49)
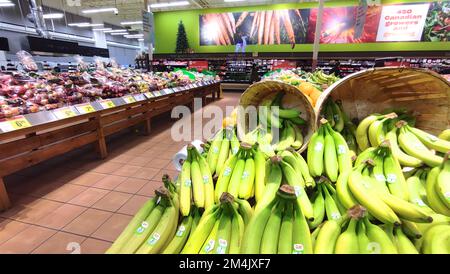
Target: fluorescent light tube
(170,4)
(89,11)
(6,4)
(131,23)
(77,24)
(134,36)
(115,30)
(141,39)
(231,1)
(101,29)
(119,33)
(53,16)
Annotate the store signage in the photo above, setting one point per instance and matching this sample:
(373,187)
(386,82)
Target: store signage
(149,95)
(199,65)
(64,112)
(402,22)
(129,99)
(157,93)
(139,97)
(284,64)
(148,27)
(107,104)
(85,108)
(361,13)
(38,44)
(15,123)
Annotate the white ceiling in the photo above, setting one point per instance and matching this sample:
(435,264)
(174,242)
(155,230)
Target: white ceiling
(130,10)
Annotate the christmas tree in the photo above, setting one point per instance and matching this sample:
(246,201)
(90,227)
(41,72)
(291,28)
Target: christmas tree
(182,42)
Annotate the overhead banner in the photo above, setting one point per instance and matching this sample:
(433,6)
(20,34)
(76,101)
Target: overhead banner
(402,23)
(148,27)
(369,22)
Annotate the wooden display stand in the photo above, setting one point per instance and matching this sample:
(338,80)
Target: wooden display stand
(29,146)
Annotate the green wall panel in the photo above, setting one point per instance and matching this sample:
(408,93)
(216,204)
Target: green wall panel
(166,26)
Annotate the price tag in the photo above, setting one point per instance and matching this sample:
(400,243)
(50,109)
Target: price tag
(65,112)
(149,95)
(157,93)
(15,123)
(129,99)
(139,97)
(168,91)
(107,104)
(85,108)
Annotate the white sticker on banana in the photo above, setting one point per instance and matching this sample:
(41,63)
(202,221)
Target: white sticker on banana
(342,149)
(318,147)
(391,178)
(181,231)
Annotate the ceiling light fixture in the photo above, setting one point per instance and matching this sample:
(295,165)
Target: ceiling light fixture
(134,36)
(141,39)
(89,11)
(53,16)
(77,24)
(131,23)
(6,4)
(119,33)
(170,4)
(114,30)
(101,29)
(231,1)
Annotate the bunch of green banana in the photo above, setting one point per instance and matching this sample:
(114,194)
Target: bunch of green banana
(242,174)
(153,226)
(328,153)
(421,145)
(438,187)
(224,144)
(319,78)
(437,240)
(384,202)
(264,139)
(221,228)
(289,136)
(326,204)
(372,130)
(272,115)
(186,226)
(196,182)
(280,227)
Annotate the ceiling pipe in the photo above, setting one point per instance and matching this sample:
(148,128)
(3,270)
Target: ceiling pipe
(37,17)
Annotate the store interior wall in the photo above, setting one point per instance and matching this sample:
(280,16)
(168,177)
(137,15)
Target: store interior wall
(166,27)
(121,51)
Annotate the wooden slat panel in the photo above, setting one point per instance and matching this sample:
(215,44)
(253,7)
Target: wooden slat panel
(18,146)
(113,128)
(14,164)
(106,120)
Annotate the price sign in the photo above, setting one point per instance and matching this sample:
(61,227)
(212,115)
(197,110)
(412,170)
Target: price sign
(65,112)
(107,104)
(129,99)
(139,97)
(85,108)
(149,95)
(157,93)
(168,91)
(15,123)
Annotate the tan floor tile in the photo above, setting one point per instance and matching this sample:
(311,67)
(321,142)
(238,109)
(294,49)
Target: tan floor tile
(112,201)
(158,163)
(107,167)
(110,182)
(146,173)
(65,192)
(26,241)
(133,205)
(61,216)
(37,211)
(61,243)
(149,188)
(88,222)
(87,179)
(127,170)
(89,197)
(121,159)
(112,228)
(131,185)
(94,246)
(139,161)
(10,228)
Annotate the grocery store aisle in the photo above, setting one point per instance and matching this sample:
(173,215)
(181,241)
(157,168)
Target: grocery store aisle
(79,204)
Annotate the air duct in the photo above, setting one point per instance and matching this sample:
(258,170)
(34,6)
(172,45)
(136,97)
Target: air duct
(37,17)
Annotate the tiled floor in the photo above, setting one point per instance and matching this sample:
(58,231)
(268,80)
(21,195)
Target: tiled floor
(77,203)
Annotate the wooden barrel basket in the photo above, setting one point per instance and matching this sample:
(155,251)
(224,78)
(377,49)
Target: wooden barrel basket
(293,98)
(424,92)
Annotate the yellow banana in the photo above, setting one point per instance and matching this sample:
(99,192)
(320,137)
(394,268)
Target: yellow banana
(210,243)
(380,243)
(181,236)
(214,150)
(247,179)
(301,236)
(186,185)
(394,177)
(315,153)
(270,237)
(430,140)
(404,245)
(443,182)
(434,201)
(403,158)
(285,238)
(445,135)
(343,192)
(414,147)
(330,156)
(347,242)
(260,174)
(197,184)
(326,239)
(362,131)
(235,180)
(363,239)
(224,233)
(224,177)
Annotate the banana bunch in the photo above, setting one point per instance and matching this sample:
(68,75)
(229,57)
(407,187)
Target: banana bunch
(264,139)
(221,228)
(325,204)
(279,227)
(243,174)
(186,226)
(385,201)
(224,144)
(438,187)
(319,78)
(437,240)
(372,130)
(353,234)
(272,115)
(287,168)
(195,182)
(290,136)
(153,226)
(445,135)
(328,153)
